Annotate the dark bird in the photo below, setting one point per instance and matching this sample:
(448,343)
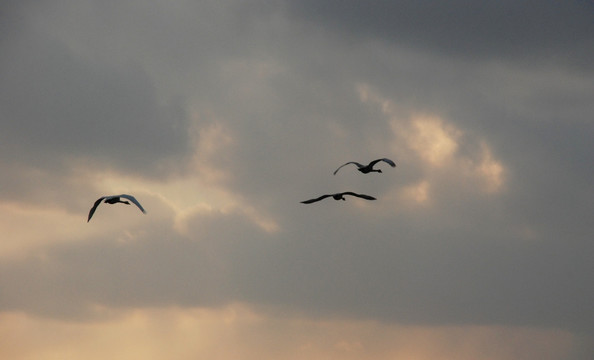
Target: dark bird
(339,196)
(369,167)
(114,199)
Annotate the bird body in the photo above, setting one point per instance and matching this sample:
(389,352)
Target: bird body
(339,196)
(369,167)
(114,199)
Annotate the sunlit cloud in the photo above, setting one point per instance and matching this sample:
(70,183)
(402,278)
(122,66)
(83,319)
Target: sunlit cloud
(418,193)
(25,227)
(201,191)
(211,157)
(434,141)
(29,228)
(368,95)
(491,170)
(262,221)
(236,331)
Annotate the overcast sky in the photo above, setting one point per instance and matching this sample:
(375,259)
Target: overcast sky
(221,116)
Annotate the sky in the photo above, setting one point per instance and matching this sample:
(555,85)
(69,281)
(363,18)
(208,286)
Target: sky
(220,117)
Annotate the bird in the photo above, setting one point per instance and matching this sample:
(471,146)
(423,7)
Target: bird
(339,196)
(369,167)
(114,199)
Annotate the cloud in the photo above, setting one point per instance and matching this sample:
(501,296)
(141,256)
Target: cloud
(58,106)
(237,331)
(221,123)
(411,270)
(545,32)
(71,278)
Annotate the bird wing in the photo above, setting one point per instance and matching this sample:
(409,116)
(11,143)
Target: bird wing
(133,199)
(386,160)
(350,162)
(95,205)
(363,196)
(316,199)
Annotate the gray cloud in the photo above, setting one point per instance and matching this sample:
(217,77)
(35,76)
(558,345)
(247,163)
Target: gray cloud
(406,271)
(534,32)
(158,268)
(286,92)
(56,104)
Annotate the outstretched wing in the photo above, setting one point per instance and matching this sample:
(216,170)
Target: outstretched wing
(363,196)
(316,199)
(386,160)
(133,199)
(350,162)
(92,211)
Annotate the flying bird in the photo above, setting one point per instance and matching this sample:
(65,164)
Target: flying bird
(369,167)
(114,199)
(339,196)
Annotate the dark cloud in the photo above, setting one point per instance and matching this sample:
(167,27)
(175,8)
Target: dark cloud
(347,264)
(56,105)
(532,31)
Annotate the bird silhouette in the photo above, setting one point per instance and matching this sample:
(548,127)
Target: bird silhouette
(369,167)
(339,196)
(114,199)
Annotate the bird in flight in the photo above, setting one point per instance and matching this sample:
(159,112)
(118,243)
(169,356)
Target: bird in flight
(369,167)
(339,196)
(114,199)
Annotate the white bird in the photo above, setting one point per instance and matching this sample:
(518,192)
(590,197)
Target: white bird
(114,199)
(369,167)
(339,196)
